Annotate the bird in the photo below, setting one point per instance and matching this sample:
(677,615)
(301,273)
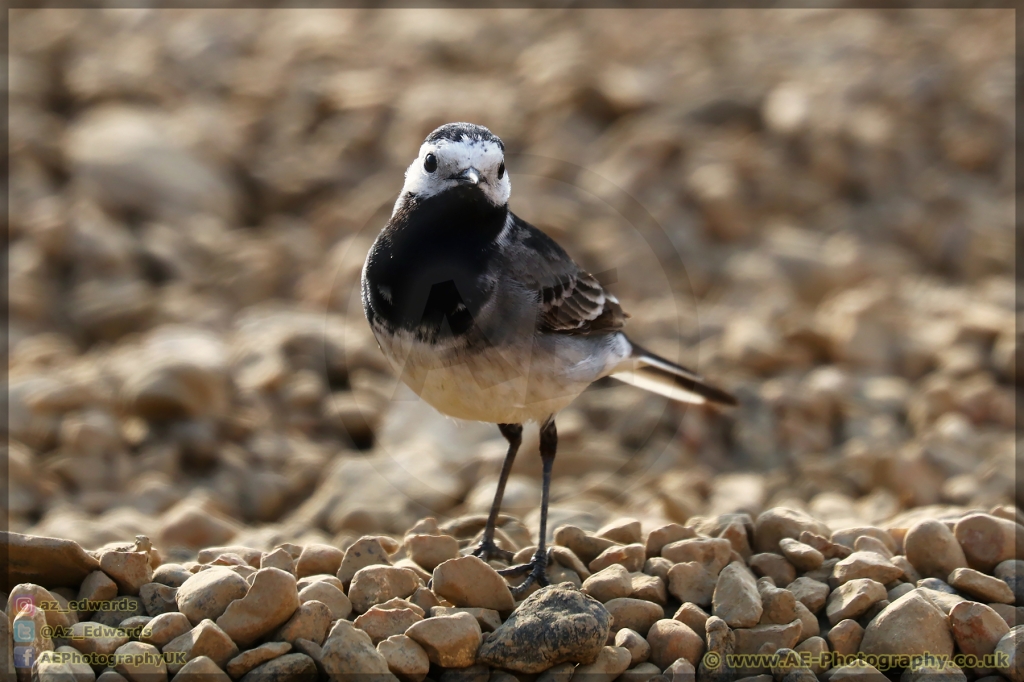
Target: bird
(487,318)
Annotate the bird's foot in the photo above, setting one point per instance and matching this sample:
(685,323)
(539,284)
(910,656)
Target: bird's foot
(535,572)
(487,550)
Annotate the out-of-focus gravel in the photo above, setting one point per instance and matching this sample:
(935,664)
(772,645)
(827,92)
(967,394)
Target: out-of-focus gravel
(193,193)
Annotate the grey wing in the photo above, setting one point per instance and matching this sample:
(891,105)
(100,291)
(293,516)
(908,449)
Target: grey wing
(571,300)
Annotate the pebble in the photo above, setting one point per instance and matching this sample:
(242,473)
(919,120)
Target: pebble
(430,550)
(383,623)
(556,624)
(249,659)
(816,649)
(568,559)
(680,671)
(778,605)
(613,582)
(611,662)
(638,648)
(865,565)
(932,549)
(489,619)
(279,559)
(316,559)
(910,625)
(47,561)
(158,599)
(648,587)
(208,593)
(694,616)
(450,641)
(349,649)
(810,593)
(642,672)
(976,628)
(269,603)
(287,667)
(164,628)
(332,580)
(376,584)
(803,557)
(586,547)
(751,640)
(96,587)
(139,662)
(1011,572)
(868,543)
(845,637)
(205,639)
(857,672)
(405,658)
(809,621)
(711,553)
(988,540)
(691,582)
(631,557)
(853,598)
(736,600)
(664,535)
(1012,647)
(776,523)
(172,575)
(635,614)
(670,640)
(774,566)
(119,610)
(329,595)
(366,551)
(983,587)
(95,638)
(927,672)
(469,582)
(201,669)
(625,530)
(310,621)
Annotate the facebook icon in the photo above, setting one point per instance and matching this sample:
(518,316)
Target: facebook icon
(24,656)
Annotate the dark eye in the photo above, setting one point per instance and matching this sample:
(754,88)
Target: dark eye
(430,163)
(501,170)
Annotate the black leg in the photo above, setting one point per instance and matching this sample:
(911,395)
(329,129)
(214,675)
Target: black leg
(487,550)
(538,565)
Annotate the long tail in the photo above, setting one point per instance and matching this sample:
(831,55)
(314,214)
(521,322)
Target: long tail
(658,375)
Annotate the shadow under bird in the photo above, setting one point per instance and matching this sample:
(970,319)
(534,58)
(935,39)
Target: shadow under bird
(487,318)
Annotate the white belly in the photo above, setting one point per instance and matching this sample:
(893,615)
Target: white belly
(508,386)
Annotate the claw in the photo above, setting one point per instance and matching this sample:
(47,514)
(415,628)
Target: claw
(535,572)
(487,550)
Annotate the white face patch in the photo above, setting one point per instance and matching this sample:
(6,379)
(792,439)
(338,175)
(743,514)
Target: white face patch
(454,159)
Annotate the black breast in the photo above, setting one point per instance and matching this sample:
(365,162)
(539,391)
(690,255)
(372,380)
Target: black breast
(424,273)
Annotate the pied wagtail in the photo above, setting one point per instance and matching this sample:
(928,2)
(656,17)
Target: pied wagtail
(486,318)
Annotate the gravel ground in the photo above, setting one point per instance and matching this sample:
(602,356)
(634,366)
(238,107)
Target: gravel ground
(815,208)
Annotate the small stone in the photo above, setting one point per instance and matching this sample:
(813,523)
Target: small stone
(898,591)
(1011,572)
(468,581)
(201,669)
(554,625)
(613,582)
(857,672)
(349,649)
(867,543)
(649,587)
(659,537)
(95,638)
(910,573)
(205,639)
(158,599)
(631,557)
(611,662)
(45,561)
(280,559)
(691,582)
(287,667)
(811,628)
(378,583)
(329,595)
(977,629)
(711,553)
(866,565)
(816,649)
(172,575)
(332,580)
(139,662)
(130,570)
(42,599)
(310,621)
(430,550)
(625,530)
(317,559)
(249,659)
(670,640)
(680,671)
(96,587)
(774,566)
(643,672)
(425,599)
(779,522)
(567,558)
(636,614)
(586,547)
(405,658)
(1011,646)
(164,628)
(450,641)
(119,610)
(383,623)
(927,672)
(694,616)
(638,648)
(988,540)
(910,625)
(845,637)
(803,557)
(778,605)
(751,640)
(208,593)
(1013,616)
(110,675)
(61,665)
(659,566)
(810,593)
(364,552)
(489,619)
(736,600)
(984,587)
(269,603)
(853,598)
(932,549)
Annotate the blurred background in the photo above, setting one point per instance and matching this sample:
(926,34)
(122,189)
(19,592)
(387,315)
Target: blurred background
(813,207)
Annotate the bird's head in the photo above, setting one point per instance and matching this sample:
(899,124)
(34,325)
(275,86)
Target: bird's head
(460,156)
